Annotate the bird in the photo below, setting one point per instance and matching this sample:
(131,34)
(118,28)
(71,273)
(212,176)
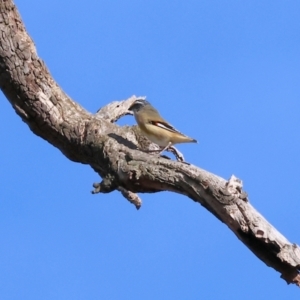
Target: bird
(155,128)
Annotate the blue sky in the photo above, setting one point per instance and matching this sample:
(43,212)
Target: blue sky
(224,72)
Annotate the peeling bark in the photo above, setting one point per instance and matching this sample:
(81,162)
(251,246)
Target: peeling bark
(116,153)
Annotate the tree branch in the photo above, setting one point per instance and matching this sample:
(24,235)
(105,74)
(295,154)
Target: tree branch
(118,154)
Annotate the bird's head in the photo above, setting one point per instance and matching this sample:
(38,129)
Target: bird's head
(138,104)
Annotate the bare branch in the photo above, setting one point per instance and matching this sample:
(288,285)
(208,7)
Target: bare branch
(131,197)
(118,154)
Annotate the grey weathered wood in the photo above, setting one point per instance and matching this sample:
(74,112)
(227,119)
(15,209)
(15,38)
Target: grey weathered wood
(116,153)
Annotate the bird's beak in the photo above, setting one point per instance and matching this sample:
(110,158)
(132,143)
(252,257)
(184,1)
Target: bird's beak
(131,106)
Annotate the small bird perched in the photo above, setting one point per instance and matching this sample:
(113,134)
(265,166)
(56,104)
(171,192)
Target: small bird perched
(155,128)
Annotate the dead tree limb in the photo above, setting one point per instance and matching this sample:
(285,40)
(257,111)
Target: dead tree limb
(116,153)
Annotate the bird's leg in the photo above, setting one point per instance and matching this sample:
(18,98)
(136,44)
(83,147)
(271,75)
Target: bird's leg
(172,149)
(179,156)
(156,152)
(177,153)
(167,147)
(160,150)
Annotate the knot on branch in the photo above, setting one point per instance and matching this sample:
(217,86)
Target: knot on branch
(131,197)
(117,109)
(290,253)
(109,184)
(230,193)
(234,190)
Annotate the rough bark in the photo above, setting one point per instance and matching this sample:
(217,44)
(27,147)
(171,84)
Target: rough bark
(116,153)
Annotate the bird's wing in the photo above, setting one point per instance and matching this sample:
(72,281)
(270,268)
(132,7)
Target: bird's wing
(165,126)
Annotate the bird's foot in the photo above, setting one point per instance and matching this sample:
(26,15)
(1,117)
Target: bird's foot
(179,156)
